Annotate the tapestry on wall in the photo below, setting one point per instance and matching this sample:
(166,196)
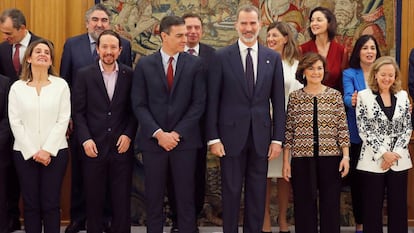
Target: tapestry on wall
(138,21)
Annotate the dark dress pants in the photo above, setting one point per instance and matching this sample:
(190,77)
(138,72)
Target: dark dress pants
(13,192)
(181,163)
(313,177)
(355,182)
(248,168)
(375,185)
(77,196)
(41,188)
(113,172)
(3,198)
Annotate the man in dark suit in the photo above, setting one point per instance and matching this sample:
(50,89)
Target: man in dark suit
(106,126)
(78,52)
(243,77)
(17,38)
(5,152)
(168,97)
(194,47)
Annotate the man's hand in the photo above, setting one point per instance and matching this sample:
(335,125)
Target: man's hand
(274,151)
(90,148)
(168,141)
(123,143)
(217,149)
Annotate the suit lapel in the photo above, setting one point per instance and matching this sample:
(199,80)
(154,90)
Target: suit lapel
(100,84)
(160,69)
(179,69)
(262,63)
(236,65)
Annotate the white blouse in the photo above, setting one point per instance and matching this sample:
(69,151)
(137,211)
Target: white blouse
(39,121)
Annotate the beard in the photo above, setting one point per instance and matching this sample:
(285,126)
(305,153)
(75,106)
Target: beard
(248,39)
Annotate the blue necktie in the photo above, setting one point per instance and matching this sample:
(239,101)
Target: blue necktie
(249,73)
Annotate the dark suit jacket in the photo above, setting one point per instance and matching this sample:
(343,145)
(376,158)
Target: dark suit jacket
(179,110)
(98,118)
(6,62)
(5,132)
(206,51)
(77,54)
(231,112)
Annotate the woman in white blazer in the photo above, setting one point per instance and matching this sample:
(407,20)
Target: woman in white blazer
(384,125)
(39,112)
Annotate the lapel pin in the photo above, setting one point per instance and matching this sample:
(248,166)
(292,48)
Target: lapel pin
(267,61)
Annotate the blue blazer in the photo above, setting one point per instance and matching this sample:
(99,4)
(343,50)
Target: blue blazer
(96,116)
(77,54)
(177,110)
(232,114)
(353,80)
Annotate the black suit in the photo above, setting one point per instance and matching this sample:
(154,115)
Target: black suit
(77,54)
(177,110)
(103,120)
(7,69)
(5,151)
(206,52)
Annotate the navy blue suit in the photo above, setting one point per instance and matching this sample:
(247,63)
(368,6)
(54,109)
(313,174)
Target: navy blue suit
(103,120)
(5,151)
(77,54)
(244,126)
(177,110)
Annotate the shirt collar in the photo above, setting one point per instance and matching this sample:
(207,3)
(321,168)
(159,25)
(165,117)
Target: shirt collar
(102,69)
(26,39)
(243,47)
(166,57)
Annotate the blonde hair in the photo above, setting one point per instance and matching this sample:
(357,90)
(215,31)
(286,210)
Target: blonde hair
(385,60)
(27,67)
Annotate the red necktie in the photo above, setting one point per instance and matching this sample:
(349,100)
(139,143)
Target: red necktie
(170,73)
(16,58)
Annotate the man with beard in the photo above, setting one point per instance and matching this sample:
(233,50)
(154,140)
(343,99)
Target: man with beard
(105,128)
(78,52)
(244,78)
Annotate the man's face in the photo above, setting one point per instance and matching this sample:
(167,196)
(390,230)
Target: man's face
(194,31)
(175,41)
(248,27)
(108,49)
(97,23)
(11,34)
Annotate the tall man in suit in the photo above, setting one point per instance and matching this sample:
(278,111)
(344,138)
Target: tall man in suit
(106,126)
(78,52)
(168,97)
(5,152)
(194,47)
(16,40)
(243,77)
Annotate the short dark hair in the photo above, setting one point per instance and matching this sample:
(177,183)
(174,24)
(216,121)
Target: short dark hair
(15,15)
(170,20)
(307,61)
(248,8)
(192,15)
(332,25)
(97,7)
(109,32)
(355,60)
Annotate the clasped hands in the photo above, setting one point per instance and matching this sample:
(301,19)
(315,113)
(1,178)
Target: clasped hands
(167,140)
(42,157)
(91,150)
(389,159)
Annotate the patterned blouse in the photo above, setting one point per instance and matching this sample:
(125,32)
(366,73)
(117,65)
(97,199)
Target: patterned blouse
(332,125)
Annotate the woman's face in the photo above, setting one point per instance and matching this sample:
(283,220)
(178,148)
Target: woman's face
(40,56)
(385,77)
(319,23)
(368,53)
(275,40)
(314,74)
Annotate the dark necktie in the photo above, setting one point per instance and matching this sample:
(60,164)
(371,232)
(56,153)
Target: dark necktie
(191,51)
(249,72)
(170,73)
(94,53)
(16,58)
